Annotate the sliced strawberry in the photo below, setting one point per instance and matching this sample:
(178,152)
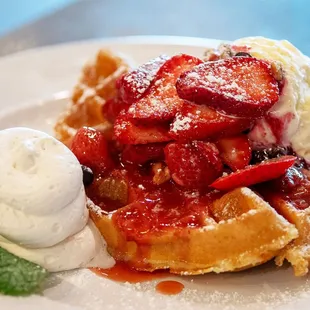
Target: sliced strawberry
(161,101)
(112,108)
(193,165)
(195,122)
(127,132)
(140,154)
(235,151)
(265,171)
(241,86)
(134,84)
(91,149)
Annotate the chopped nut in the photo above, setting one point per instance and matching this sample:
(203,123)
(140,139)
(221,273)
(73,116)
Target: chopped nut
(161,173)
(211,54)
(114,189)
(224,51)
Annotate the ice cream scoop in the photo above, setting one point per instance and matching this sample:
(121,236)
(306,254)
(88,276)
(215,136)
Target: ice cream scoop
(288,121)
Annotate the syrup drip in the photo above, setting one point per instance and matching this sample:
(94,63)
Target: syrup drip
(121,272)
(169,287)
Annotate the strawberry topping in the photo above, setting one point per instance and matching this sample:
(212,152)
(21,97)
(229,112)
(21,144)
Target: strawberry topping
(91,149)
(161,101)
(265,171)
(140,154)
(235,151)
(196,122)
(133,85)
(112,108)
(240,86)
(127,132)
(193,165)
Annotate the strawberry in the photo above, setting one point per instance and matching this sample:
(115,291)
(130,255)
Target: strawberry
(195,122)
(193,165)
(235,151)
(161,101)
(134,84)
(112,108)
(91,149)
(127,132)
(240,86)
(140,154)
(265,171)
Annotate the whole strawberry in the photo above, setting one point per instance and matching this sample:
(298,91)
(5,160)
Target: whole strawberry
(90,147)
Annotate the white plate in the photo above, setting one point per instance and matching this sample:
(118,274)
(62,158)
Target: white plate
(28,84)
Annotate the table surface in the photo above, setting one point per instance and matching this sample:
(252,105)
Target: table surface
(219,19)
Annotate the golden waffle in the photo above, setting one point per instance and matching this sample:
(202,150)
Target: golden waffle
(243,231)
(96,86)
(297,252)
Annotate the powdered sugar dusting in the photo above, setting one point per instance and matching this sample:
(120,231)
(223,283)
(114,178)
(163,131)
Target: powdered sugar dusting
(135,83)
(181,123)
(94,208)
(262,288)
(241,79)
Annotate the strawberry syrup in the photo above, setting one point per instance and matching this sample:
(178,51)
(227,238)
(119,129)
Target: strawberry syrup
(121,272)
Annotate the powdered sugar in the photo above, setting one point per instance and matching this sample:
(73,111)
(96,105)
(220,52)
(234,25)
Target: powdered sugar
(181,123)
(94,208)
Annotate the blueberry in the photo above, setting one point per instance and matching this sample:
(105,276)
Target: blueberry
(243,54)
(274,152)
(88,175)
(290,180)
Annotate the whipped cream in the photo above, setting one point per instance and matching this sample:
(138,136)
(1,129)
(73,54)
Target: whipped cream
(292,112)
(43,210)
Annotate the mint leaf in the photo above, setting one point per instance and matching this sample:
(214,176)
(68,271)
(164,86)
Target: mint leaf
(19,277)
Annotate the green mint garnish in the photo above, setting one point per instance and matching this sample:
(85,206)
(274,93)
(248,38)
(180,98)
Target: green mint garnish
(19,277)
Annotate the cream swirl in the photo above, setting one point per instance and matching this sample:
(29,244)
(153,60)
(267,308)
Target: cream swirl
(43,213)
(42,198)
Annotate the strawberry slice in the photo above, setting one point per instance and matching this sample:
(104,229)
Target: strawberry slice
(112,108)
(127,132)
(140,154)
(161,101)
(235,151)
(134,84)
(265,171)
(241,86)
(193,165)
(91,149)
(195,122)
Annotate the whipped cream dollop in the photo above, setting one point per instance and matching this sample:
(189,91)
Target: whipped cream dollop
(43,213)
(288,121)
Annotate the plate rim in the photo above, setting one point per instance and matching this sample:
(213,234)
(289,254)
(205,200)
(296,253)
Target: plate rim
(120,40)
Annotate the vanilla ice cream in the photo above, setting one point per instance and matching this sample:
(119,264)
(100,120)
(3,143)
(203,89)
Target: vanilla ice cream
(43,214)
(291,114)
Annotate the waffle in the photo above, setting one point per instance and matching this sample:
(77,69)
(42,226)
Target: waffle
(297,253)
(241,231)
(96,86)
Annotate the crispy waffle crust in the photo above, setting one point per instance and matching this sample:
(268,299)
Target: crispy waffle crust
(297,252)
(244,231)
(96,86)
